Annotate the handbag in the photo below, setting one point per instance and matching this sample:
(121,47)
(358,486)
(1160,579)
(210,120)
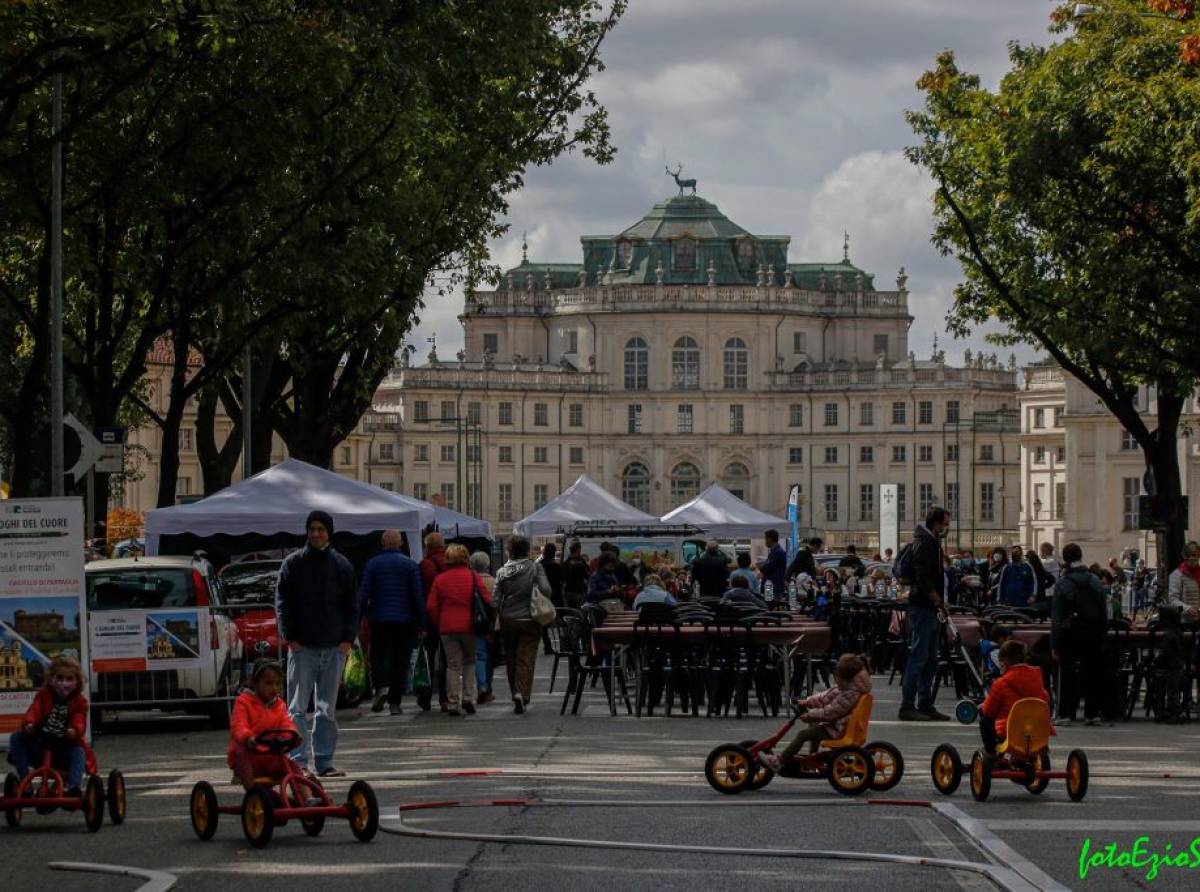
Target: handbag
(419,671)
(483,615)
(541,608)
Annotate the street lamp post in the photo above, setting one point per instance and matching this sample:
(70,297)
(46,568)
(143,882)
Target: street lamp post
(57,469)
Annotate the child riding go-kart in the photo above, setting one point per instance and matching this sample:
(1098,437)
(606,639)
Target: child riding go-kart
(277,798)
(847,761)
(44,789)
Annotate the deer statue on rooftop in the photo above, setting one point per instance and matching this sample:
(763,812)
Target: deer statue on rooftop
(682,184)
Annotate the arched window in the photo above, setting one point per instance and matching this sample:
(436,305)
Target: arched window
(685,483)
(685,364)
(736,479)
(737,364)
(635,486)
(637,364)
(684,254)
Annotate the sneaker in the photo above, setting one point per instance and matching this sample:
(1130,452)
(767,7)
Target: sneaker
(909,714)
(770,760)
(518,704)
(469,708)
(934,715)
(395,709)
(380,699)
(331,772)
(486,697)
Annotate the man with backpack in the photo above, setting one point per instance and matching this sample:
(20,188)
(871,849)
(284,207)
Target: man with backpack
(1078,627)
(920,565)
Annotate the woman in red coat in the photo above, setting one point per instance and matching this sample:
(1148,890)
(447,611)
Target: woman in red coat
(451,611)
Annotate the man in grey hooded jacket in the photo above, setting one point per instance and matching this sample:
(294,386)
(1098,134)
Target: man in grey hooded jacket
(519,634)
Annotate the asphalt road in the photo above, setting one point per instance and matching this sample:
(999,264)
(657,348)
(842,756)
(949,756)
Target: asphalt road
(655,765)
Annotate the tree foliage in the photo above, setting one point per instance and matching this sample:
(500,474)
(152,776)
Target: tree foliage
(1071,198)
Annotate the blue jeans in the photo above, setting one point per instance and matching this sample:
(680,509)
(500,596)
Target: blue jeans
(314,672)
(484,670)
(919,668)
(25,753)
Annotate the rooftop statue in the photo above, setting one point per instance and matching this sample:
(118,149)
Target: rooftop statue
(682,184)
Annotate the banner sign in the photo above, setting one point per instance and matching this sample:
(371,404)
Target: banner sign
(141,640)
(43,597)
(889,518)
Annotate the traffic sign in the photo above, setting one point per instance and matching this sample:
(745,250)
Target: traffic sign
(90,449)
(109,436)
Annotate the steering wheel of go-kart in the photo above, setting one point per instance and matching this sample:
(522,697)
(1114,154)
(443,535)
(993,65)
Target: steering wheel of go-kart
(277,741)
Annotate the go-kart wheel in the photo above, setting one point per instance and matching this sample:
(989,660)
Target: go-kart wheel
(313,826)
(981,776)
(12,816)
(1077,775)
(729,768)
(93,803)
(116,797)
(1033,784)
(258,816)
(967,712)
(889,765)
(762,775)
(204,810)
(364,811)
(851,770)
(946,769)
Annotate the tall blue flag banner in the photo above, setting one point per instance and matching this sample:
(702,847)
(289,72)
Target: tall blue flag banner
(794,517)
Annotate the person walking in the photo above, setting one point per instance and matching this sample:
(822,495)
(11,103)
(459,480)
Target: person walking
(1078,627)
(391,597)
(433,564)
(575,572)
(805,560)
(553,571)
(1183,585)
(711,570)
(485,656)
(317,604)
(774,568)
(924,627)
(451,610)
(519,634)
(1049,561)
(1017,584)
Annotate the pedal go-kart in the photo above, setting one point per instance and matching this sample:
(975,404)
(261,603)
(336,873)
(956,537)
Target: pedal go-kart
(1024,758)
(850,764)
(44,790)
(276,800)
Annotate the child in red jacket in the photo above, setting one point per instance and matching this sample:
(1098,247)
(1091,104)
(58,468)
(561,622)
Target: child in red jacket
(1019,682)
(828,713)
(57,720)
(258,709)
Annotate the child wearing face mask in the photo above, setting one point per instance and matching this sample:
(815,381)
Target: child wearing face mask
(56,721)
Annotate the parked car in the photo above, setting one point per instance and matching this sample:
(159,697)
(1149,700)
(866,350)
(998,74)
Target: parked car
(148,599)
(248,589)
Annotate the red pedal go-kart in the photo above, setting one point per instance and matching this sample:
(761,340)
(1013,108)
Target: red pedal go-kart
(276,800)
(1023,758)
(850,764)
(44,790)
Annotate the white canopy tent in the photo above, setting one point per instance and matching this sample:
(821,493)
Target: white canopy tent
(725,516)
(583,500)
(279,499)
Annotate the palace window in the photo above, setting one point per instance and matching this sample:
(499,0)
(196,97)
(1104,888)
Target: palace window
(448,495)
(736,365)
(736,479)
(684,254)
(575,415)
(448,413)
(737,419)
(576,455)
(987,452)
(866,501)
(952,412)
(683,419)
(925,454)
(541,414)
(421,491)
(685,483)
(540,455)
(624,254)
(635,418)
(1131,492)
(491,343)
(952,499)
(987,501)
(881,344)
(831,455)
(474,413)
(866,455)
(902,501)
(541,495)
(185,439)
(745,254)
(685,364)
(421,452)
(831,414)
(924,499)
(866,414)
(796,415)
(951,452)
(796,455)
(898,413)
(925,412)
(831,503)
(635,486)
(799,342)
(447,453)
(387,486)
(1039,418)
(504,506)
(899,455)
(505,456)
(637,364)
(420,411)
(506,415)
(387,451)
(1129,442)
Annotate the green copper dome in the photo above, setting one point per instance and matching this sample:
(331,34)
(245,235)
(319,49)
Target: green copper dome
(684,215)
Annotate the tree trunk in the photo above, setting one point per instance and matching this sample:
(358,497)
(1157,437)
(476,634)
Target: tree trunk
(168,459)
(1163,463)
(216,462)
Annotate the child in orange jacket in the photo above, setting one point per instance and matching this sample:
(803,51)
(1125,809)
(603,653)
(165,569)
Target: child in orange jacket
(1020,681)
(56,720)
(257,709)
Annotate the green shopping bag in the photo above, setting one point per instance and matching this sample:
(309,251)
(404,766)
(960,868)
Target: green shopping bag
(418,672)
(354,674)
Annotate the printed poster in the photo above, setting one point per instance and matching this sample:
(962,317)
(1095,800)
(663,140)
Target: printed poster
(141,640)
(42,597)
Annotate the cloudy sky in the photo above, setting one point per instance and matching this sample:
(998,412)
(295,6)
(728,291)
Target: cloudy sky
(790,114)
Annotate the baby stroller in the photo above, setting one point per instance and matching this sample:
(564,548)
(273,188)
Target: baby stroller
(956,663)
